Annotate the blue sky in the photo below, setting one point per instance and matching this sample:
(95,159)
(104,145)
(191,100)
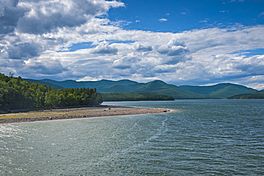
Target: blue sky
(181,42)
(184,15)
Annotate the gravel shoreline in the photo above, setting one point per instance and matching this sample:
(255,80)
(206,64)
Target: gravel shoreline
(71,113)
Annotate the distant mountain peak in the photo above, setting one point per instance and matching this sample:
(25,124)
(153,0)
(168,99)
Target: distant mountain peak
(157,82)
(127,80)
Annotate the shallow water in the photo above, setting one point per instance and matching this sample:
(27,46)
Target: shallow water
(203,137)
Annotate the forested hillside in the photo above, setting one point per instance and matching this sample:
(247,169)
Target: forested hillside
(257,95)
(17,94)
(222,90)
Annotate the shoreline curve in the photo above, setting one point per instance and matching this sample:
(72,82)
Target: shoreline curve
(73,113)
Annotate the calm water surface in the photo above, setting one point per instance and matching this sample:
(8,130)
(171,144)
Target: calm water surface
(203,137)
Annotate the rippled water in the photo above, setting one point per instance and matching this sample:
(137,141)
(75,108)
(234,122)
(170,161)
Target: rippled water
(203,137)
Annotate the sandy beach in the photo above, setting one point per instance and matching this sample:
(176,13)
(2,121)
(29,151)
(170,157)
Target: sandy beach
(71,113)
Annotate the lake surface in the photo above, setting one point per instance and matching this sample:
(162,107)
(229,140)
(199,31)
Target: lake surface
(203,137)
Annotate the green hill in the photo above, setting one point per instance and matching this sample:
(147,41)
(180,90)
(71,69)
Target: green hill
(257,95)
(223,90)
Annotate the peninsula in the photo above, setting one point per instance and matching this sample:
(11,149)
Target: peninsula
(87,112)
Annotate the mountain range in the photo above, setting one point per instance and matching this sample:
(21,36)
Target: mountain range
(157,87)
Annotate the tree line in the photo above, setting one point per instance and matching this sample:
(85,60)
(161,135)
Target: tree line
(130,96)
(18,94)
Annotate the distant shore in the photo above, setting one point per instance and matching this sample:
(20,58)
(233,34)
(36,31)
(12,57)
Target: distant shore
(71,113)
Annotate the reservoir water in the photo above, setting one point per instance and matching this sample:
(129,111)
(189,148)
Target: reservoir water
(202,137)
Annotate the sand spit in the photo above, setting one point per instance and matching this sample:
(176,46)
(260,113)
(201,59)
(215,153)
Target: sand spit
(71,113)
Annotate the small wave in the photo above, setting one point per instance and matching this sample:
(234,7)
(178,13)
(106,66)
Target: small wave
(8,130)
(160,131)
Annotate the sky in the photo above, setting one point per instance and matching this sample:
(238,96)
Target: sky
(180,42)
